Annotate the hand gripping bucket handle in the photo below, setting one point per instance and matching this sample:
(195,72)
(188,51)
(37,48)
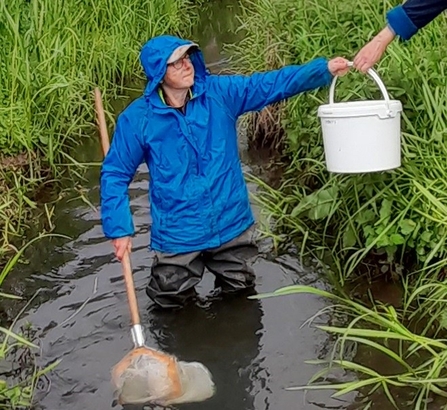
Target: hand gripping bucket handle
(374,76)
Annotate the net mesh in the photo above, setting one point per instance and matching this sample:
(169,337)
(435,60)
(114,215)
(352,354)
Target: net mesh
(145,377)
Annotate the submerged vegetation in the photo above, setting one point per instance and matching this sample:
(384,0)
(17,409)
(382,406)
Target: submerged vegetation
(53,54)
(384,226)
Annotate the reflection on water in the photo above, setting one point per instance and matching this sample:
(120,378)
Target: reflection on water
(217,25)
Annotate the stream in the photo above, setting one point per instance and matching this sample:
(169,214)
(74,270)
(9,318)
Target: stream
(254,349)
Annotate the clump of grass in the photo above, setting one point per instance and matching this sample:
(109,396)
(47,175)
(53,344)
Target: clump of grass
(398,215)
(53,54)
(421,360)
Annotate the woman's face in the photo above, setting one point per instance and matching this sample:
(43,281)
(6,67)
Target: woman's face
(180,73)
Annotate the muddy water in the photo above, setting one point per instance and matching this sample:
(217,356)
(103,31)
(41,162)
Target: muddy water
(255,349)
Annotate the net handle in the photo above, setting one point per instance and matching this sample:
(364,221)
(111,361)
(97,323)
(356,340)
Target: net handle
(125,262)
(101,120)
(130,289)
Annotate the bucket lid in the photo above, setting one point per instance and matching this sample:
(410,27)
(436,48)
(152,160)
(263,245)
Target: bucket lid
(380,108)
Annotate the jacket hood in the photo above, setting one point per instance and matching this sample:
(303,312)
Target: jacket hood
(155,54)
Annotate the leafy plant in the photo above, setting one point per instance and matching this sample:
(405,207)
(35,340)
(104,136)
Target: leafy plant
(391,223)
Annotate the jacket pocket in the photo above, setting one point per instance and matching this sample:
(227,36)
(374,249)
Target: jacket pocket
(184,227)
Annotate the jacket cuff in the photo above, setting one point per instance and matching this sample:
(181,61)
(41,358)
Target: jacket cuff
(321,66)
(327,75)
(400,23)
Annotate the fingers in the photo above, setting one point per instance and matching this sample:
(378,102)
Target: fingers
(122,245)
(373,51)
(363,61)
(359,61)
(119,252)
(339,66)
(370,54)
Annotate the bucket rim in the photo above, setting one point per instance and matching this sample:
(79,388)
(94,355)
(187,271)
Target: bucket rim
(362,103)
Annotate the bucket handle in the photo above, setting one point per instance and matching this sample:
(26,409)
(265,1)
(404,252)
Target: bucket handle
(375,77)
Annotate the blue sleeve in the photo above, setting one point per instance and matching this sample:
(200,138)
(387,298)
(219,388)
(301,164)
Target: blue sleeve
(118,169)
(252,93)
(407,19)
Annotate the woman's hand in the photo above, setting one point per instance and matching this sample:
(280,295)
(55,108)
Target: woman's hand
(121,245)
(338,66)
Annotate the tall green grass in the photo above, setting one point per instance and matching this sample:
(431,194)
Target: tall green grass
(53,53)
(371,225)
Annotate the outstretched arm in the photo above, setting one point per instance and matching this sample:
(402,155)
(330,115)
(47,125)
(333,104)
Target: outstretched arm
(254,92)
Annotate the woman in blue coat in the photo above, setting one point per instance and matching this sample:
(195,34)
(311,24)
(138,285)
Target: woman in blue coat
(184,128)
(404,21)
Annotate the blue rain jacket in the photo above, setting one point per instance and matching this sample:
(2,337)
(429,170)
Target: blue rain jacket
(407,19)
(198,196)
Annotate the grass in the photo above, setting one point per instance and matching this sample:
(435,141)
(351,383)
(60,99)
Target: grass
(361,227)
(54,52)
(394,214)
(18,349)
(421,359)
(350,216)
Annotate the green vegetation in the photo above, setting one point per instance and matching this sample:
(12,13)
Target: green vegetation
(422,360)
(53,54)
(362,227)
(397,213)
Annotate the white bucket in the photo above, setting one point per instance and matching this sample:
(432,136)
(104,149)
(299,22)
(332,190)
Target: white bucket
(361,136)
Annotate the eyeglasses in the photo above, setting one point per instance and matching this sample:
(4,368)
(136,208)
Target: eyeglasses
(177,64)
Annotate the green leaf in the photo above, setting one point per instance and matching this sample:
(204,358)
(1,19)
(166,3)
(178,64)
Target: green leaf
(385,211)
(321,211)
(304,204)
(407,226)
(8,296)
(369,231)
(325,199)
(420,250)
(349,238)
(443,320)
(391,250)
(426,236)
(20,339)
(383,241)
(365,217)
(397,239)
